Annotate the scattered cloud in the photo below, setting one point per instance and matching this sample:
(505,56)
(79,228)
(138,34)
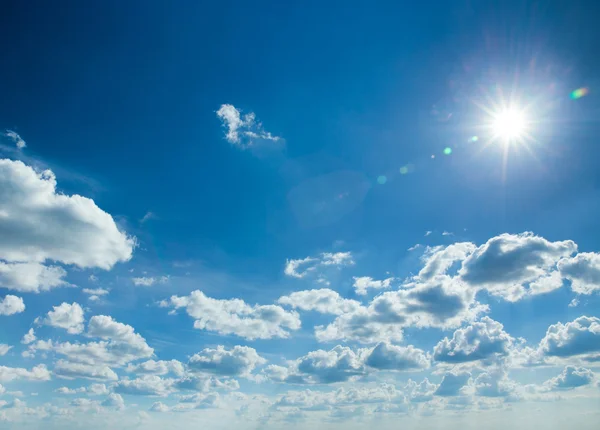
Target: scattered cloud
(31,277)
(95,291)
(452,384)
(66,316)
(364,283)
(583,270)
(234,316)
(4,348)
(11,305)
(386,356)
(324,300)
(37,373)
(239,361)
(28,337)
(301,267)
(149,281)
(243,131)
(161,367)
(96,371)
(14,136)
(481,340)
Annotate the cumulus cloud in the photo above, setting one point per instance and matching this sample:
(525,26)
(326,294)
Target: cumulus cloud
(479,341)
(439,259)
(506,263)
(325,367)
(11,305)
(14,136)
(31,277)
(452,384)
(97,371)
(494,383)
(37,373)
(571,377)
(243,131)
(580,336)
(114,401)
(147,385)
(443,302)
(39,224)
(92,390)
(239,361)
(235,316)
(583,270)
(363,283)
(324,300)
(28,337)
(386,356)
(66,316)
(149,281)
(161,367)
(299,268)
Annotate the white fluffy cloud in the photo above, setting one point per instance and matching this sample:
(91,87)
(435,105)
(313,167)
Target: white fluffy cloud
(114,401)
(364,283)
(438,260)
(442,302)
(31,277)
(236,317)
(28,337)
(479,341)
(243,130)
(385,356)
(96,371)
(95,291)
(11,305)
(37,373)
(39,224)
(337,365)
(452,384)
(324,300)
(161,367)
(505,264)
(147,385)
(66,316)
(571,377)
(239,361)
(159,407)
(578,337)
(4,348)
(92,390)
(583,270)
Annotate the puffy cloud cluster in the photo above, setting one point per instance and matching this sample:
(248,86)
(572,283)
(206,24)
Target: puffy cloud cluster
(235,316)
(160,367)
(16,138)
(583,270)
(578,337)
(66,316)
(38,224)
(481,340)
(243,131)
(342,364)
(571,377)
(443,302)
(37,373)
(239,361)
(505,264)
(149,281)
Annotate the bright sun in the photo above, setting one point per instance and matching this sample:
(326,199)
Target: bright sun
(509,125)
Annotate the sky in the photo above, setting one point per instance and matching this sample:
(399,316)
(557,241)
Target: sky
(301,215)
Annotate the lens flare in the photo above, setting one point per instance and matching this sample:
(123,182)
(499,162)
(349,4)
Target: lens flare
(579,93)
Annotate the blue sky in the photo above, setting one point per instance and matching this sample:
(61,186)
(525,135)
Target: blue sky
(282,215)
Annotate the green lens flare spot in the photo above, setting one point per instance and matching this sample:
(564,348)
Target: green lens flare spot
(447,151)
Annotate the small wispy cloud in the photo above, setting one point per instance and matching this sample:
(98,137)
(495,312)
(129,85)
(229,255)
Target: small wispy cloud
(428,232)
(244,130)
(149,281)
(14,136)
(148,216)
(447,233)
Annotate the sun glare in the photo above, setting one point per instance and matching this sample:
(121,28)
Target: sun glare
(509,125)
